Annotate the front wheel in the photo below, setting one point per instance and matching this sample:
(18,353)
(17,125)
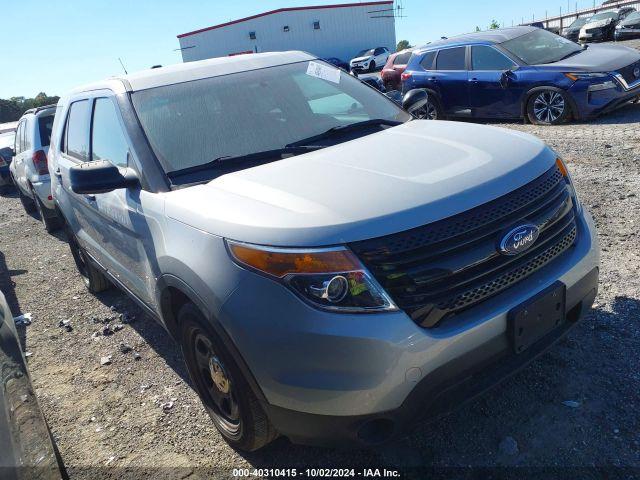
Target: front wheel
(548,107)
(226,395)
(372,66)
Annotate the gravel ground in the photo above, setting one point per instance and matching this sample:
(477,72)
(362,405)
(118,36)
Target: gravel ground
(576,406)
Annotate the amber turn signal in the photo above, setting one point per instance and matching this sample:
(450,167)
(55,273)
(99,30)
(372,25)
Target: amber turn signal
(280,262)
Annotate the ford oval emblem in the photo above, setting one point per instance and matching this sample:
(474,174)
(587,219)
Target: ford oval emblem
(519,239)
(636,72)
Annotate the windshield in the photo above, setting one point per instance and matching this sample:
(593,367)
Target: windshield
(603,16)
(578,22)
(541,46)
(192,123)
(365,53)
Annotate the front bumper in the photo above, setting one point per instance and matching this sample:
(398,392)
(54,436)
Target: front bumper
(360,379)
(591,103)
(627,33)
(594,35)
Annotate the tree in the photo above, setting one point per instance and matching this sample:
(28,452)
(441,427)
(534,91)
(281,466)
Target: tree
(477,29)
(403,45)
(494,24)
(13,108)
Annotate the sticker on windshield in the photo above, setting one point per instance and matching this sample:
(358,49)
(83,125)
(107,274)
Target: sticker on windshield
(324,72)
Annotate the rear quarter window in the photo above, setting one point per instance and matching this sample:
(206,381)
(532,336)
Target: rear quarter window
(427,60)
(402,59)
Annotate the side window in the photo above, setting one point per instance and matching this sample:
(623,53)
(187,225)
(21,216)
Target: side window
(451,59)
(77,131)
(488,58)
(379,51)
(402,58)
(18,147)
(427,61)
(107,138)
(28,134)
(23,136)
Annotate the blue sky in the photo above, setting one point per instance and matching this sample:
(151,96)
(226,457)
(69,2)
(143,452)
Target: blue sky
(53,46)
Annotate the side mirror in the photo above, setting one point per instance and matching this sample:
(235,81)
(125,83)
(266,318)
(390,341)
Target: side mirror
(506,77)
(415,99)
(100,176)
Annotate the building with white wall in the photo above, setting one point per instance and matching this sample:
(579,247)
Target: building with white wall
(325,30)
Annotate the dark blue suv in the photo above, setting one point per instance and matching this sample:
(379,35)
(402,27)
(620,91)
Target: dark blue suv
(523,72)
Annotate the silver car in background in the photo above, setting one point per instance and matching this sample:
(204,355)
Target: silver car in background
(29,168)
(320,288)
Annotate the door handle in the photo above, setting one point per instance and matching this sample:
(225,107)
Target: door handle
(90,198)
(474,80)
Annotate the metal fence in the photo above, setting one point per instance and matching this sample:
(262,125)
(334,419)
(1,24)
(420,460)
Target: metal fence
(565,19)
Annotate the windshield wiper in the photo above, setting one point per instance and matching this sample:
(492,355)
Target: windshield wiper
(570,55)
(275,154)
(344,128)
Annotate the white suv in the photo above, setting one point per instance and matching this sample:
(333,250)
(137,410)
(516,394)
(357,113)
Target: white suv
(370,60)
(29,167)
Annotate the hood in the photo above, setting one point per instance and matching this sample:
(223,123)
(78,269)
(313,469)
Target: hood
(361,188)
(630,22)
(361,59)
(597,58)
(598,23)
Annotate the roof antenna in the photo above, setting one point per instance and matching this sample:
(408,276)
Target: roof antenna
(125,70)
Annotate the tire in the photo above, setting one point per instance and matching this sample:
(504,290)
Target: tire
(27,203)
(94,279)
(225,393)
(548,107)
(431,111)
(51,222)
(372,66)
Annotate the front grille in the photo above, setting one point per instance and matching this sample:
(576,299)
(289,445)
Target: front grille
(438,270)
(627,73)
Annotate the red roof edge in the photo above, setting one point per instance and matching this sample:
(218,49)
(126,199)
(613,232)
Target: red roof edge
(287,9)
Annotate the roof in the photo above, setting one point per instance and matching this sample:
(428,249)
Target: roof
(490,36)
(189,71)
(287,9)
(39,109)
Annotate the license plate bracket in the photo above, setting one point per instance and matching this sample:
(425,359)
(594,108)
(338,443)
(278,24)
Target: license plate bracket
(533,319)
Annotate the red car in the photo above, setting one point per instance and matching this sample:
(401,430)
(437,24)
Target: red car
(393,69)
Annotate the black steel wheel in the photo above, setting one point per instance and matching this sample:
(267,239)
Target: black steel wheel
(225,393)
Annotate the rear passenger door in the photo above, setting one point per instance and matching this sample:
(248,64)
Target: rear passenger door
(450,78)
(20,157)
(489,97)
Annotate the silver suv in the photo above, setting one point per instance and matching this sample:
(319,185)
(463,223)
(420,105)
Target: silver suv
(29,168)
(334,270)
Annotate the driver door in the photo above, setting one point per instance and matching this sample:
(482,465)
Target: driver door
(489,96)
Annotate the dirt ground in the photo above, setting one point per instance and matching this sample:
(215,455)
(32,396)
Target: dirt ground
(576,407)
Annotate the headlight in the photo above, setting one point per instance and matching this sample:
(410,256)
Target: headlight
(329,278)
(585,76)
(567,177)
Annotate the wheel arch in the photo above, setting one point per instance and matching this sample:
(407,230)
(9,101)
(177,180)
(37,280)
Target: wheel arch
(173,292)
(527,96)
